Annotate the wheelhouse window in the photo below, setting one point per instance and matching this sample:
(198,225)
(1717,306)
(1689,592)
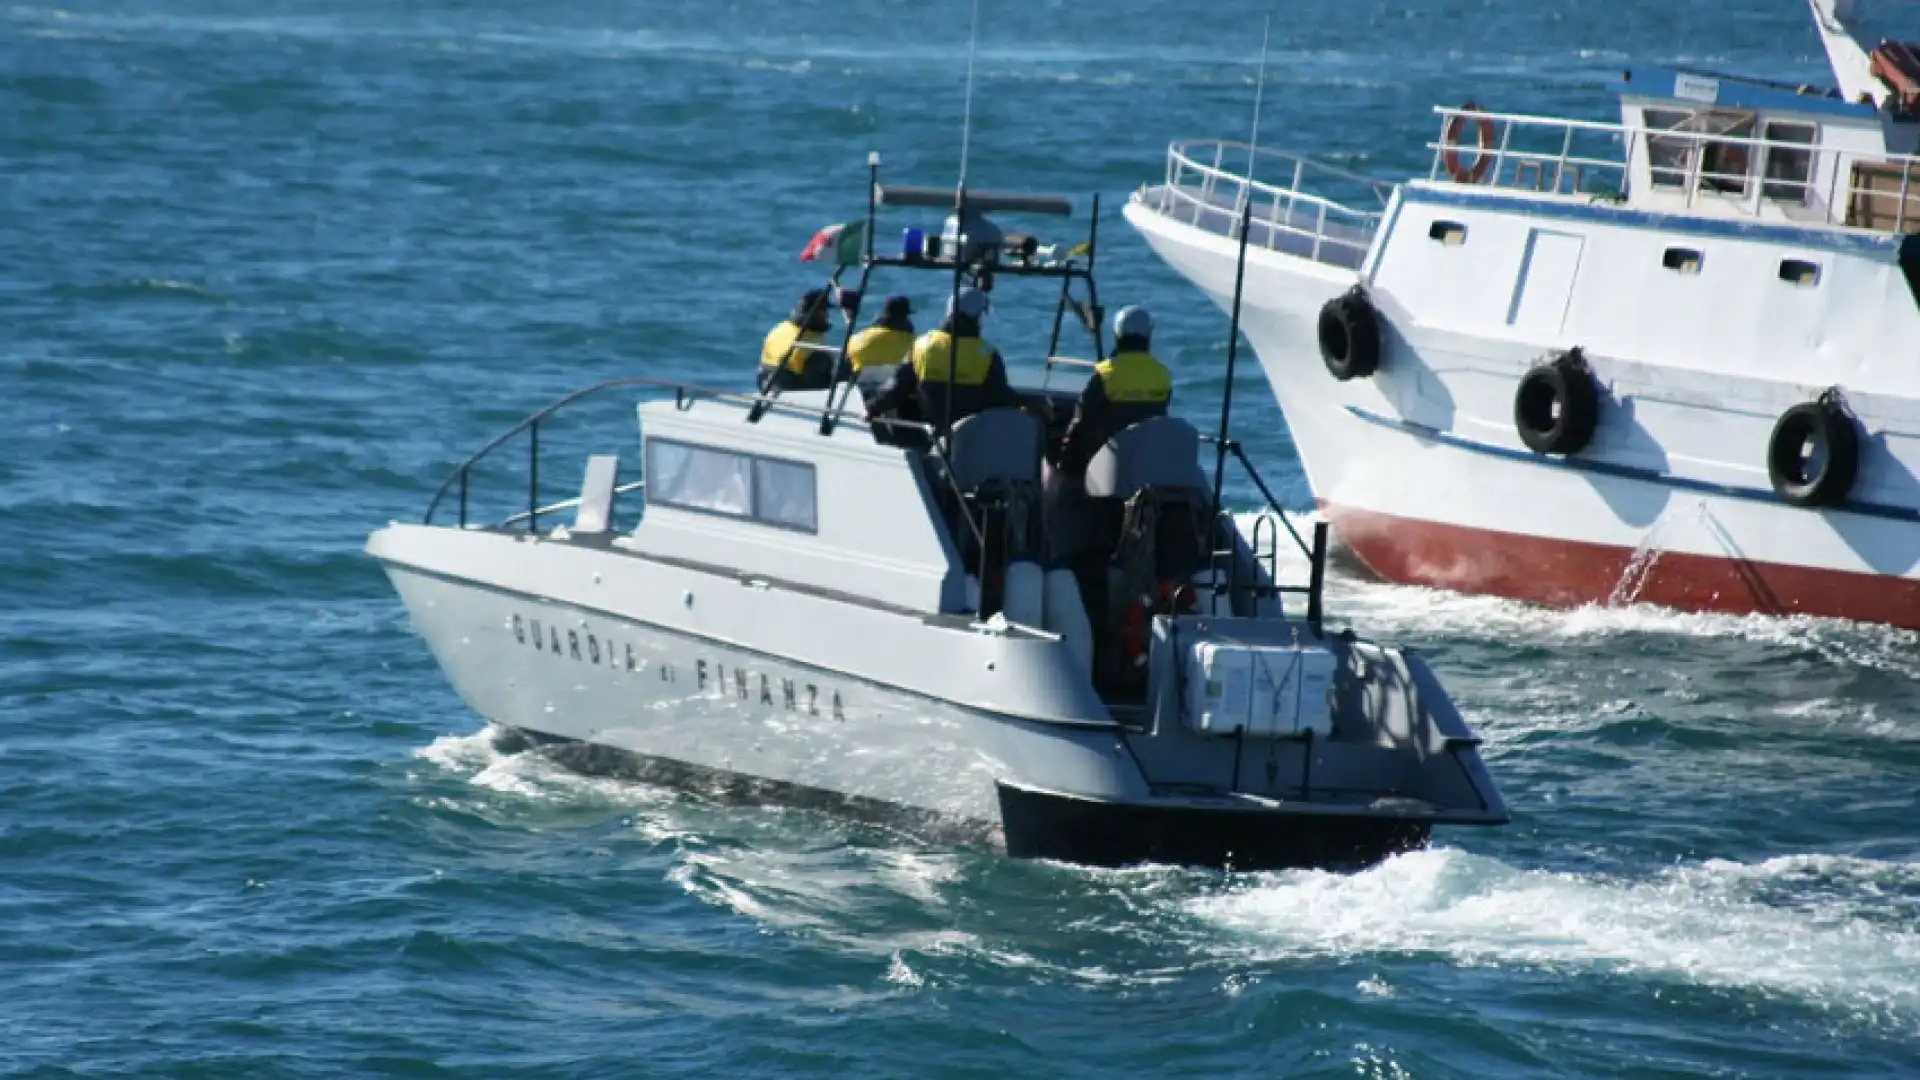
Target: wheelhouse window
(1681,260)
(746,486)
(1679,141)
(1799,272)
(1788,172)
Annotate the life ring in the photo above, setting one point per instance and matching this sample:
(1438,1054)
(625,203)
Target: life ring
(1483,145)
(1350,336)
(1557,405)
(1166,598)
(1814,431)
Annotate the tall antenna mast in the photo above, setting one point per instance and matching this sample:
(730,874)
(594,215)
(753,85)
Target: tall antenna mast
(1259,87)
(966,117)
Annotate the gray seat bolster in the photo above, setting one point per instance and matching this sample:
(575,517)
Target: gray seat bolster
(1161,452)
(995,445)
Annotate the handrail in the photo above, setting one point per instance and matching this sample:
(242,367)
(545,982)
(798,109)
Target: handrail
(563,504)
(681,392)
(1292,220)
(1316,553)
(1264,188)
(1748,189)
(1382,189)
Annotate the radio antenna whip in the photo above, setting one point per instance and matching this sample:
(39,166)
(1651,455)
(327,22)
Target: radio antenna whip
(966,117)
(1259,86)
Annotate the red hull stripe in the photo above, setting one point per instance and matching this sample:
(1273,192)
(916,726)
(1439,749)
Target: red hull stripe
(1569,573)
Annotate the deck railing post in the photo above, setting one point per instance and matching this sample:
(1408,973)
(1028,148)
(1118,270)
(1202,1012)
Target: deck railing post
(1560,167)
(1906,178)
(1500,159)
(1439,143)
(1833,191)
(1317,581)
(463,497)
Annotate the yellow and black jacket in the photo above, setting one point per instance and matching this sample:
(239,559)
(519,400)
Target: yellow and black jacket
(1126,388)
(918,389)
(786,368)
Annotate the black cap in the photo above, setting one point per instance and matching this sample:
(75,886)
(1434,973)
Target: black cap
(897,306)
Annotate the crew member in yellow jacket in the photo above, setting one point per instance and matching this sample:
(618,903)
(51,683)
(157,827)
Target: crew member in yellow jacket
(784,366)
(918,390)
(876,351)
(1126,388)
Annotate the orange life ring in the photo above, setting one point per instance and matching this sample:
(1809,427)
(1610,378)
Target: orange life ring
(1168,597)
(1483,145)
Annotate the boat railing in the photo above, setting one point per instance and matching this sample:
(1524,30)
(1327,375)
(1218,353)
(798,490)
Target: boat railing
(1209,182)
(459,482)
(1268,555)
(1733,173)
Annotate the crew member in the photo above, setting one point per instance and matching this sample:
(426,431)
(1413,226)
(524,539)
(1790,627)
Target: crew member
(918,390)
(1126,388)
(876,351)
(784,366)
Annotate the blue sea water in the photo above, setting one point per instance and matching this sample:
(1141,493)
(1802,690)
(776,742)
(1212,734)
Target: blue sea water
(270,269)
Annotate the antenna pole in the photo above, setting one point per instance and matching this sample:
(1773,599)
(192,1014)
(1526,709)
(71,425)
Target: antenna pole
(1221,444)
(960,233)
(966,116)
(1259,88)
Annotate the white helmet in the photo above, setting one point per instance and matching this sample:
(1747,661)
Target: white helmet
(971,303)
(1133,321)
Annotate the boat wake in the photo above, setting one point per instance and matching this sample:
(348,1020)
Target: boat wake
(1354,596)
(1830,931)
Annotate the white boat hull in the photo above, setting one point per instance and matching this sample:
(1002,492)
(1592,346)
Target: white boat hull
(693,679)
(1419,471)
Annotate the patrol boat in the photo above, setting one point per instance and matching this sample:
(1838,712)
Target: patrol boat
(826,609)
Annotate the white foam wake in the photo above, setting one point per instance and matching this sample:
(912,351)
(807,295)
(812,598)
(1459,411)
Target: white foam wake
(1718,924)
(1374,606)
(492,759)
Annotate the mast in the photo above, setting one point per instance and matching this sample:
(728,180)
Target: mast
(962,238)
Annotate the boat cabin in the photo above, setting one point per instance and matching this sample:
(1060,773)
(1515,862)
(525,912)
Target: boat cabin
(1754,148)
(956,516)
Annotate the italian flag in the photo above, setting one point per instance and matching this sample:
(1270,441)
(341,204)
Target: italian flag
(844,240)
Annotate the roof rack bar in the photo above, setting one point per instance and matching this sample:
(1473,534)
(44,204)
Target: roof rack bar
(1010,202)
(997,269)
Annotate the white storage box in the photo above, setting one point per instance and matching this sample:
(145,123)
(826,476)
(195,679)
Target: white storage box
(1270,690)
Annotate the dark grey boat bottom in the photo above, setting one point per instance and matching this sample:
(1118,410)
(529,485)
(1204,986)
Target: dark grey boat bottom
(1038,825)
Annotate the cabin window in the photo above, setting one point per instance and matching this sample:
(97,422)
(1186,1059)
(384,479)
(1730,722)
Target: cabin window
(1450,233)
(1788,173)
(767,490)
(1799,272)
(783,493)
(1681,260)
(1680,141)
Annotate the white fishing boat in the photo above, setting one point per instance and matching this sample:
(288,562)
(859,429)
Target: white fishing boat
(849,612)
(1669,359)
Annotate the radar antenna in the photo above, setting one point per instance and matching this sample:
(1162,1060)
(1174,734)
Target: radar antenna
(1259,87)
(966,114)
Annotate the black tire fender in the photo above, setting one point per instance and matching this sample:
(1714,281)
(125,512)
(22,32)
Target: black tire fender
(1556,407)
(1822,431)
(1350,336)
